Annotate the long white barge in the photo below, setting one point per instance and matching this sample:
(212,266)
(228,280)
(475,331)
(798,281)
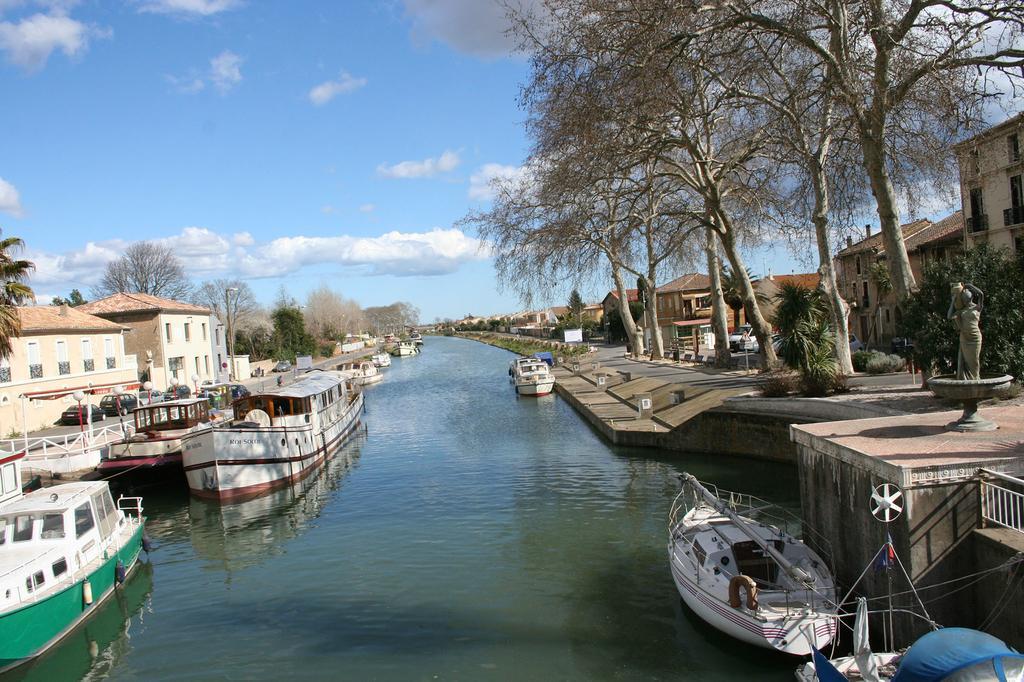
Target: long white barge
(276,437)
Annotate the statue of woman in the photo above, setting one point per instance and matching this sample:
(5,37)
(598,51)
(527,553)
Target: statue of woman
(965,311)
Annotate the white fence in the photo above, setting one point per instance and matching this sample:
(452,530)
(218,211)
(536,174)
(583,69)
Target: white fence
(49,447)
(999,504)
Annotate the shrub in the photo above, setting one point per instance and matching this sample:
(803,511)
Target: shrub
(883,363)
(860,359)
(777,383)
(815,386)
(326,350)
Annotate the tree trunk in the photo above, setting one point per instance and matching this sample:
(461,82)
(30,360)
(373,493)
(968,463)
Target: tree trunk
(760,327)
(657,343)
(735,311)
(873,152)
(719,318)
(826,269)
(635,336)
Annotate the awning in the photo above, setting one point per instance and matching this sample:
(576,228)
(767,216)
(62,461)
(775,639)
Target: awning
(692,323)
(96,389)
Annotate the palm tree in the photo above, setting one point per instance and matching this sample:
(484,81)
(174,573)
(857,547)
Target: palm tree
(878,273)
(733,297)
(13,291)
(802,317)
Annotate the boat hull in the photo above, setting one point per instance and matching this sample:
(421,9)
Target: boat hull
(537,388)
(240,462)
(785,634)
(27,632)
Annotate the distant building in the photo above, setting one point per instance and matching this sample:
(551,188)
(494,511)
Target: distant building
(171,338)
(992,185)
(60,350)
(873,315)
(684,310)
(768,288)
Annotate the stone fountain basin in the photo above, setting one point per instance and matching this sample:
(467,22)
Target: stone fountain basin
(948,386)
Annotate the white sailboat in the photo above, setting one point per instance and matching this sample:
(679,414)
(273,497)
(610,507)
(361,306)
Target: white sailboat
(278,436)
(749,579)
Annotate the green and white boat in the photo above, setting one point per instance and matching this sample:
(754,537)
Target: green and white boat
(63,552)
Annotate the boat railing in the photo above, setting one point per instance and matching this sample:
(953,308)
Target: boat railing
(1001,504)
(131,507)
(49,447)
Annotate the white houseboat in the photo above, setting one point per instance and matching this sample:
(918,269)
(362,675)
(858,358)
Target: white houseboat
(751,580)
(405,349)
(531,376)
(381,360)
(277,436)
(63,551)
(154,440)
(363,372)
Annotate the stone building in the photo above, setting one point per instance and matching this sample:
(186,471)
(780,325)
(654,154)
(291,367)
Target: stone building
(992,185)
(170,338)
(60,350)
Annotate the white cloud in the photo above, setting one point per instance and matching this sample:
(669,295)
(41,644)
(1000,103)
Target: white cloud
(202,8)
(426,168)
(325,92)
(205,253)
(10,200)
(30,42)
(188,85)
(481,183)
(367,208)
(477,27)
(226,71)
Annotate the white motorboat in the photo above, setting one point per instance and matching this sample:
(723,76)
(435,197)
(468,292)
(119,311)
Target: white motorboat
(381,360)
(278,436)
(531,376)
(63,550)
(363,372)
(405,349)
(416,338)
(748,578)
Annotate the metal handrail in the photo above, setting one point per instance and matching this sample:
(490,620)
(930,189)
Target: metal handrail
(70,443)
(1002,506)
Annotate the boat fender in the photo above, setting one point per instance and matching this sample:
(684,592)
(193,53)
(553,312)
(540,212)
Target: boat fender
(87,592)
(747,583)
(146,544)
(119,572)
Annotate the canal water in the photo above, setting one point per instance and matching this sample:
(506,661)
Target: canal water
(465,534)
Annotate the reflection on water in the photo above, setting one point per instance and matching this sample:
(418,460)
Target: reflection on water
(481,536)
(93,650)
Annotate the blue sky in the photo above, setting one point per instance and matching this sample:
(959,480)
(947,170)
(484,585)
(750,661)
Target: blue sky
(286,143)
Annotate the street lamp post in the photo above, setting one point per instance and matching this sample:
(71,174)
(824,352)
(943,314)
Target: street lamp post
(195,382)
(231,335)
(78,396)
(173,383)
(149,392)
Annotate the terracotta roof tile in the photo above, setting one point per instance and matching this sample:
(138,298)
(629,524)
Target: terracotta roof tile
(693,281)
(807,280)
(875,240)
(949,228)
(130,303)
(47,318)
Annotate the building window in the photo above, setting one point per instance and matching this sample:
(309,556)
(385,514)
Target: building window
(87,363)
(206,361)
(1013,148)
(1015,214)
(867,301)
(217,333)
(167,331)
(188,335)
(174,365)
(977,221)
(63,365)
(5,374)
(858,265)
(204,332)
(35,364)
(197,365)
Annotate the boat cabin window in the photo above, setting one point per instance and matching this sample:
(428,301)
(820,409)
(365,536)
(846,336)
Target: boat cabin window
(60,567)
(84,521)
(10,478)
(34,581)
(104,507)
(53,526)
(22,528)
(275,407)
(166,417)
(753,561)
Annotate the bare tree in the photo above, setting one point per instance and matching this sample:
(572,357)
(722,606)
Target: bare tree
(145,268)
(907,72)
(719,318)
(330,315)
(215,294)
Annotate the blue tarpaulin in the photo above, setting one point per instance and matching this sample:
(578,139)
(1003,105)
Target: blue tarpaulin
(939,654)
(546,357)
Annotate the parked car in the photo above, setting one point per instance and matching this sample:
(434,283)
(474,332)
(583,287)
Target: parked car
(73,416)
(111,403)
(736,339)
(282,366)
(178,392)
(239,391)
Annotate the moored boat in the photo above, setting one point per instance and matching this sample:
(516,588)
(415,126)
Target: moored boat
(416,338)
(531,377)
(154,440)
(381,360)
(363,372)
(277,436)
(63,552)
(748,578)
(405,349)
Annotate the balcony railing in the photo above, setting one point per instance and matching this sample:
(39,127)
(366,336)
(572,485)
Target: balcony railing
(64,367)
(1013,215)
(5,375)
(35,371)
(977,223)
(88,365)
(111,363)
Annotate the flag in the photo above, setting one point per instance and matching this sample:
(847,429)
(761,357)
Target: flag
(886,558)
